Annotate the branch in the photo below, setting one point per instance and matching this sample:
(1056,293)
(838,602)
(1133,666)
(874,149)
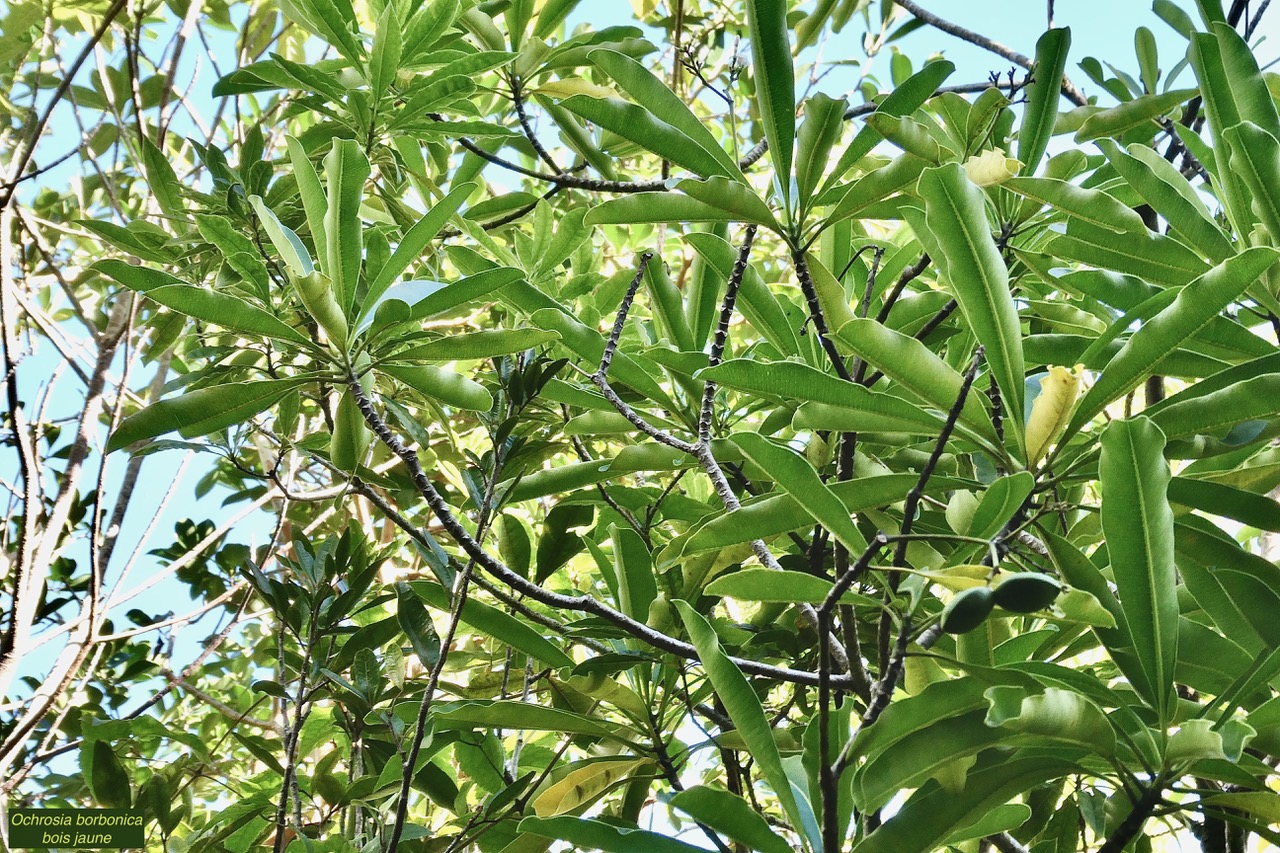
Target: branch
(1068,88)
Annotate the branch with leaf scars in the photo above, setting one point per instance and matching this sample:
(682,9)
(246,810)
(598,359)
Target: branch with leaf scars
(504,573)
(884,686)
(701,450)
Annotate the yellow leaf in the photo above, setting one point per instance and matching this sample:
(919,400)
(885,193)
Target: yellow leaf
(1051,410)
(584,785)
(571,86)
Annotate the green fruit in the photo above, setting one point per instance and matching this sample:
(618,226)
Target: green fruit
(1026,592)
(967,610)
(351,436)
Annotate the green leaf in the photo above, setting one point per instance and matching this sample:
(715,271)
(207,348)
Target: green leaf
(769,585)
(108,781)
(286,242)
(492,622)
(438,383)
(1156,258)
(417,626)
(585,834)
(415,241)
(477,345)
(823,123)
(743,707)
(1204,411)
(384,57)
(904,100)
(162,180)
(644,88)
(346,170)
(1255,158)
(915,367)
(1195,305)
(1115,121)
(999,502)
(523,716)
(464,290)
(730,815)
(1162,186)
(794,475)
(663,207)
(1229,502)
(757,303)
(637,586)
(637,124)
(1138,525)
(314,202)
(1043,94)
(933,812)
(198,413)
(732,196)
(774,77)
(876,186)
(1056,714)
(955,214)
(1092,206)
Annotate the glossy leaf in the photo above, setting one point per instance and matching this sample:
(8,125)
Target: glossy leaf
(742,706)
(956,216)
(1043,95)
(1138,525)
(774,75)
(202,412)
(729,815)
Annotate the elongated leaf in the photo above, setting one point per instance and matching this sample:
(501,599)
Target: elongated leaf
(346,170)
(736,198)
(905,99)
(584,785)
(475,345)
(999,502)
(933,812)
(742,706)
(637,124)
(657,97)
(523,716)
(162,180)
(1043,94)
(915,367)
(586,834)
(637,587)
(1195,305)
(108,780)
(663,207)
(198,413)
(294,254)
(1093,206)
(729,815)
(494,623)
(797,478)
(1138,526)
(1156,258)
(1229,502)
(874,187)
(823,121)
(774,74)
(384,57)
(769,516)
(415,240)
(768,585)
(956,216)
(1255,158)
(463,291)
(588,344)
(314,201)
(416,624)
(1210,412)
(757,302)
(1171,195)
(224,310)
(1115,121)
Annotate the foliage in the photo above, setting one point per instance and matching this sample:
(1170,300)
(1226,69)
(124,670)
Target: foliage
(745,468)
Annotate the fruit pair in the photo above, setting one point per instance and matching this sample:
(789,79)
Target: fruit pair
(1024,592)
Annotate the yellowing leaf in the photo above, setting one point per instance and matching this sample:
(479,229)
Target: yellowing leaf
(584,785)
(571,86)
(1051,410)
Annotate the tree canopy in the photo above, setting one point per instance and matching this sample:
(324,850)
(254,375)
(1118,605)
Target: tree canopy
(661,433)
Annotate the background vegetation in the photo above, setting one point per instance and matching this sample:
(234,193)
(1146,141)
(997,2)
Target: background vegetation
(440,425)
